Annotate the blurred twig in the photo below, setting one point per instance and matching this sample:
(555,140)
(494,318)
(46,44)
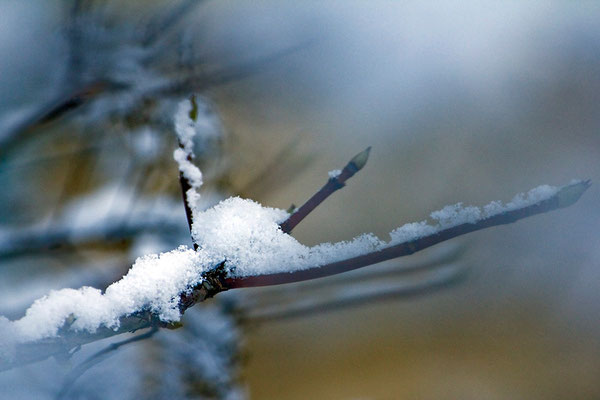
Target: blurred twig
(97,358)
(358,294)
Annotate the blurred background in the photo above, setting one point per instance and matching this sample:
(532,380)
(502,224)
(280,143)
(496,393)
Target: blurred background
(462,102)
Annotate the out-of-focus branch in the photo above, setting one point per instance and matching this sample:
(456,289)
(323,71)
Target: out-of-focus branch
(96,358)
(37,239)
(335,182)
(358,295)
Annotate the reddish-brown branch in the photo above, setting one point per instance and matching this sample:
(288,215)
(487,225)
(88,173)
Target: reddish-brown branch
(333,184)
(565,197)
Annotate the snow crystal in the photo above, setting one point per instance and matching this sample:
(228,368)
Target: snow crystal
(456,214)
(335,173)
(534,196)
(411,231)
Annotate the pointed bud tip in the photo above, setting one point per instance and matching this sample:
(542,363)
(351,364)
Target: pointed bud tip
(570,193)
(361,158)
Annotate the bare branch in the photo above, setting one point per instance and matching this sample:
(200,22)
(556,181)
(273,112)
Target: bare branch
(38,239)
(334,183)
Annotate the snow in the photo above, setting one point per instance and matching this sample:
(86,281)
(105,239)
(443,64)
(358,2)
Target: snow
(204,127)
(185,128)
(335,173)
(457,214)
(248,237)
(154,282)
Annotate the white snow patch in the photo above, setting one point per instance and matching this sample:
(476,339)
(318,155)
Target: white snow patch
(335,173)
(154,282)
(456,214)
(411,231)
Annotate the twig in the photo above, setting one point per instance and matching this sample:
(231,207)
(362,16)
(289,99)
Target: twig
(97,358)
(333,184)
(564,198)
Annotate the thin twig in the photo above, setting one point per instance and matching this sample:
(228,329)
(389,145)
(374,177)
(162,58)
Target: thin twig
(97,358)
(564,198)
(333,184)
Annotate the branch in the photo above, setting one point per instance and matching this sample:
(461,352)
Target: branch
(15,242)
(335,182)
(565,197)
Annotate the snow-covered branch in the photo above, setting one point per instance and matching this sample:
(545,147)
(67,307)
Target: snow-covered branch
(238,243)
(257,253)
